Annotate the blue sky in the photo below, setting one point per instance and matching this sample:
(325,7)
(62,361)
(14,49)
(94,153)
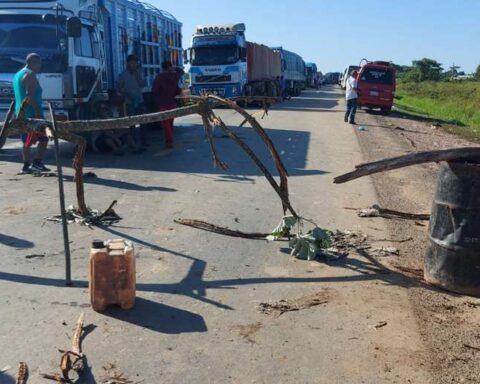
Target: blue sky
(336,33)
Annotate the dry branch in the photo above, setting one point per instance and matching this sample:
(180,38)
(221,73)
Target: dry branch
(467,153)
(271,148)
(65,131)
(72,360)
(22,375)
(204,226)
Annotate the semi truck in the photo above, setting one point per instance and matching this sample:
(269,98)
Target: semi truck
(293,72)
(83,45)
(224,63)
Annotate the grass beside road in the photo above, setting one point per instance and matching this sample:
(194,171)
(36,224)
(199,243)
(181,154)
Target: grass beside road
(453,103)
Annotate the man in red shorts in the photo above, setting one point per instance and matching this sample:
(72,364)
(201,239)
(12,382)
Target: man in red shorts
(165,88)
(25,84)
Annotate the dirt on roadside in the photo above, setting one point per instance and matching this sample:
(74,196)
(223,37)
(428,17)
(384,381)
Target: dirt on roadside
(448,323)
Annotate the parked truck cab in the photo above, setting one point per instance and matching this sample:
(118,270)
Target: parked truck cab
(218,58)
(83,45)
(376,85)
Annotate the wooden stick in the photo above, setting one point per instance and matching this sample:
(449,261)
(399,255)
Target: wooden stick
(408,160)
(6,124)
(203,225)
(22,375)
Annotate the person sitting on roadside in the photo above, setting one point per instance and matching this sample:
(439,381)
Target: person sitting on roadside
(26,85)
(129,86)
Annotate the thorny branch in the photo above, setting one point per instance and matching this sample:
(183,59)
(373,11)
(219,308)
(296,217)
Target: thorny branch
(203,106)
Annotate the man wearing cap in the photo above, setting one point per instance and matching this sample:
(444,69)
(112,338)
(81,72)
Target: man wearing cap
(351,96)
(25,84)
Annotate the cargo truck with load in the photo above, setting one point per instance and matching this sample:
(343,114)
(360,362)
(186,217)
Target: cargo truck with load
(83,45)
(293,73)
(224,63)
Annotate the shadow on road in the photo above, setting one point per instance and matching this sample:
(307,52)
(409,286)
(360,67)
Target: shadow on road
(6,379)
(146,314)
(160,318)
(15,242)
(114,183)
(312,101)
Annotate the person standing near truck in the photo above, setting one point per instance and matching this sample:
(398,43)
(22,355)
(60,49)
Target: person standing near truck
(25,84)
(165,88)
(129,86)
(351,96)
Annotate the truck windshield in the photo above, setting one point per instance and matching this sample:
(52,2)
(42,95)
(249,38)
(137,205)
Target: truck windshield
(377,76)
(24,34)
(219,55)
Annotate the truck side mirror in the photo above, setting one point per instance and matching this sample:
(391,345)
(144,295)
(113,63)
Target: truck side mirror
(74,27)
(186,56)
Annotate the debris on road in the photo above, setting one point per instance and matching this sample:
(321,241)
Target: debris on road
(203,225)
(385,251)
(22,375)
(33,256)
(248,331)
(376,211)
(471,347)
(93,218)
(379,325)
(412,272)
(278,308)
(343,242)
(73,360)
(112,376)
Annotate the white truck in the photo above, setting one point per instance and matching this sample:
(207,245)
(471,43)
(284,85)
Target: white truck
(84,45)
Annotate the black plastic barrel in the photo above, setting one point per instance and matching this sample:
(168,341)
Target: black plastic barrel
(452,261)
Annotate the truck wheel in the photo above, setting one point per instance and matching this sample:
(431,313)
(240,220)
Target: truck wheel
(386,111)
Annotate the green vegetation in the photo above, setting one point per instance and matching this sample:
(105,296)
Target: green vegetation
(426,90)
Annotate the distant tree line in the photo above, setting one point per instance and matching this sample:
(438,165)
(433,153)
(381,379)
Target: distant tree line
(430,70)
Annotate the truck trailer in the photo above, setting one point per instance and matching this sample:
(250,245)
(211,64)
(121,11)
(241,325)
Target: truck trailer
(223,63)
(83,45)
(293,73)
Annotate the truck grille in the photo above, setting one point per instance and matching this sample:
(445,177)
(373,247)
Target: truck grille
(213,78)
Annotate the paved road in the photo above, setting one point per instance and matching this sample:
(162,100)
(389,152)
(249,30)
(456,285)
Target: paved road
(196,318)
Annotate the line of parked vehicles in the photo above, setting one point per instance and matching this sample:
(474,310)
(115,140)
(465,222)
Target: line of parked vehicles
(225,63)
(376,82)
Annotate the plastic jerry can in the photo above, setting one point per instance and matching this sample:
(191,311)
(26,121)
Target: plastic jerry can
(112,274)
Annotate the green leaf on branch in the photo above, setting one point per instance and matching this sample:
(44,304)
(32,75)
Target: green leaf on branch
(283,229)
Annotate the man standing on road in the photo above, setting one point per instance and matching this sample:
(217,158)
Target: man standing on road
(165,88)
(129,85)
(351,96)
(25,84)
